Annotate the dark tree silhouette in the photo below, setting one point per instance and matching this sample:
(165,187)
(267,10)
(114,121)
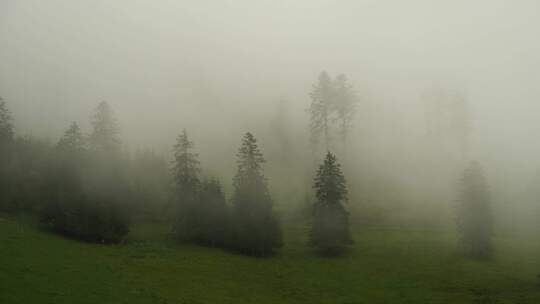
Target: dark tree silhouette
(256,230)
(330,232)
(474,220)
(214,213)
(186,171)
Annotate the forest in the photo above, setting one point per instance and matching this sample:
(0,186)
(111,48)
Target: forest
(194,153)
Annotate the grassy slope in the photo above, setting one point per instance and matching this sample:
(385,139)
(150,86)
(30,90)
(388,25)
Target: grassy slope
(387,266)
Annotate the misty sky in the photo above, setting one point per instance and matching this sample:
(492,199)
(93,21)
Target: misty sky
(219,67)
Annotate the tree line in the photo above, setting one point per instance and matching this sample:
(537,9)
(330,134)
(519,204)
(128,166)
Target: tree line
(86,187)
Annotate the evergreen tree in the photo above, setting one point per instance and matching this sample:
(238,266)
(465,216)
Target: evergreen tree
(344,105)
(474,221)
(213,207)
(7,171)
(330,227)
(320,110)
(73,139)
(186,172)
(6,127)
(256,230)
(105,133)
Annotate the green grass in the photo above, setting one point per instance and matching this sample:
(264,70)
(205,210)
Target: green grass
(386,266)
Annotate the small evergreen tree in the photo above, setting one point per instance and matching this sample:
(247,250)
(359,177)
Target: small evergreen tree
(255,228)
(330,227)
(186,172)
(475,220)
(7,171)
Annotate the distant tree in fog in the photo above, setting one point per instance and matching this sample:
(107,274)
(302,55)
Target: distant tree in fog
(186,171)
(73,139)
(105,133)
(333,106)
(6,126)
(256,231)
(330,232)
(320,110)
(474,218)
(281,125)
(344,105)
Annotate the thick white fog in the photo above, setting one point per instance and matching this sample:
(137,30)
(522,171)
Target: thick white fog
(220,68)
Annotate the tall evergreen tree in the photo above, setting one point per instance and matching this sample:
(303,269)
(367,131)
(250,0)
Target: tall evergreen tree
(320,110)
(186,171)
(6,126)
(475,220)
(345,102)
(256,230)
(105,133)
(330,232)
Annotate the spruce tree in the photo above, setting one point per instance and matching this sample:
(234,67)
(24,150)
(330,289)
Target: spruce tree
(7,185)
(330,232)
(255,228)
(475,220)
(186,171)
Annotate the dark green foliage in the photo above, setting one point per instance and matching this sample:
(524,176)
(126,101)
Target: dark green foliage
(330,227)
(201,210)
(213,214)
(474,219)
(255,228)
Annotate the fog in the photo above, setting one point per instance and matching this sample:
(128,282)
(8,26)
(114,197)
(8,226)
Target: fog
(221,68)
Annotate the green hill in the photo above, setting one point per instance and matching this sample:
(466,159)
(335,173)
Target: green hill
(386,266)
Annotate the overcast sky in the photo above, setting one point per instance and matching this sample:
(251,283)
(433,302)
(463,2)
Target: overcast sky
(165,65)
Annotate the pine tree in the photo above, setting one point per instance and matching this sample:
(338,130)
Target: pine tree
(330,232)
(474,221)
(6,126)
(320,110)
(104,136)
(186,173)
(256,230)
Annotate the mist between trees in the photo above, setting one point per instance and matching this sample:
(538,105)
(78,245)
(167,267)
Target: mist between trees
(88,186)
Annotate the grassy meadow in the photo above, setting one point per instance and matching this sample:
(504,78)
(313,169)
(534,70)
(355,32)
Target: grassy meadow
(385,266)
